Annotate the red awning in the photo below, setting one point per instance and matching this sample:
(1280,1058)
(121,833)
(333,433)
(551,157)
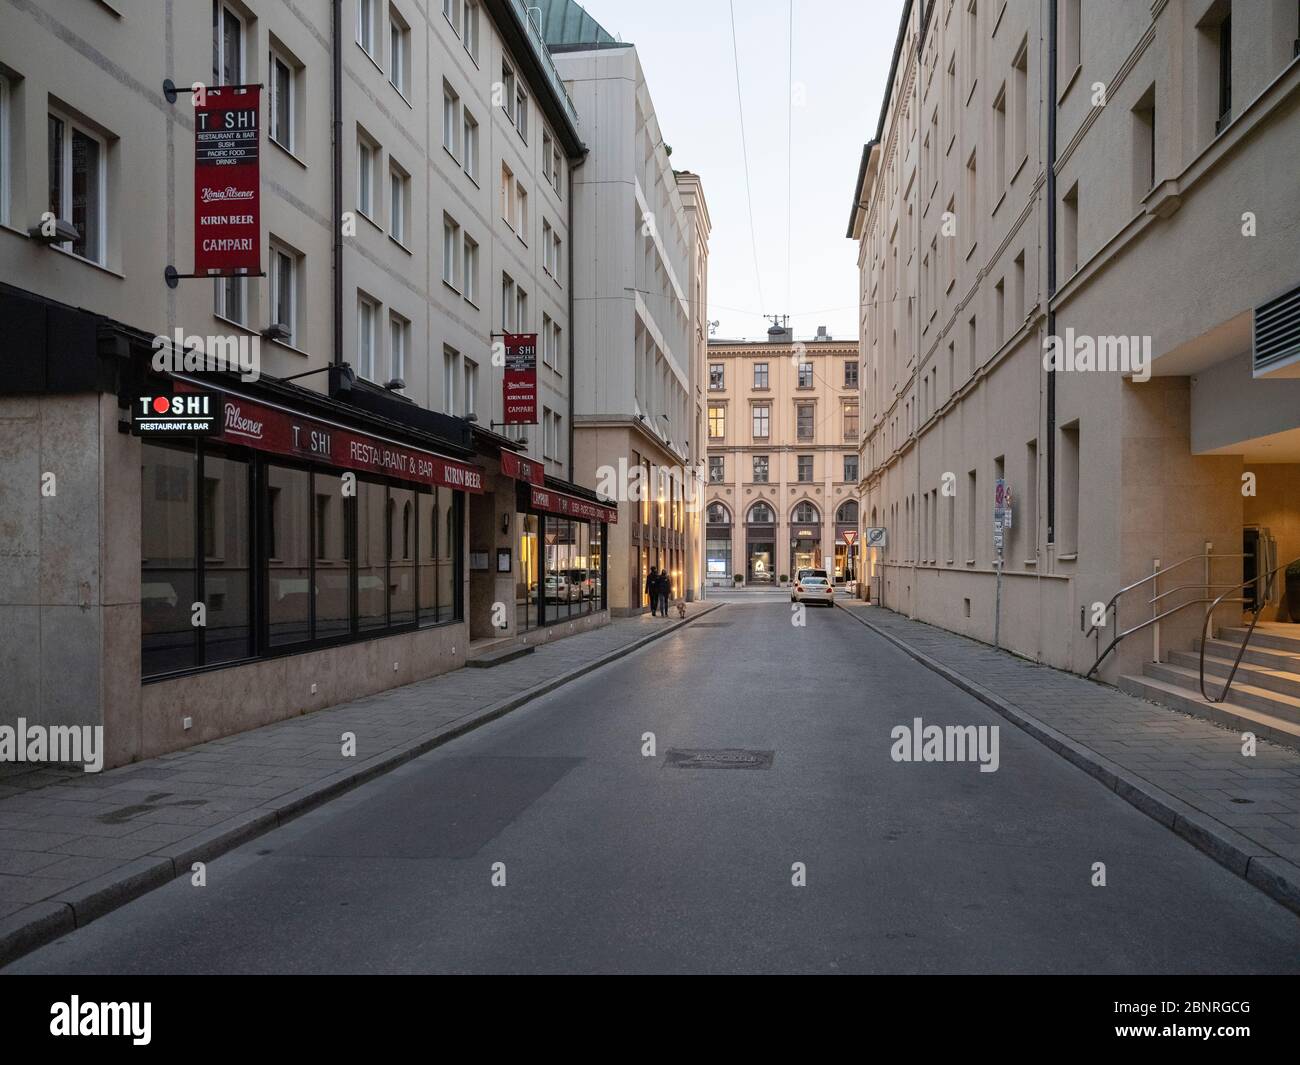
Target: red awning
(247,423)
(553,502)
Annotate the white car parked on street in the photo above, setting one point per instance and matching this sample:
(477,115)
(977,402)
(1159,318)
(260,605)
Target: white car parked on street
(813,589)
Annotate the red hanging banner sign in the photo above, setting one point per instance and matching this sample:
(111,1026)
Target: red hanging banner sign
(227,181)
(554,502)
(519,382)
(522,469)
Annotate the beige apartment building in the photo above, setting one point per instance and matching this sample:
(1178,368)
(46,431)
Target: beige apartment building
(783,459)
(1121,176)
(639,313)
(416,167)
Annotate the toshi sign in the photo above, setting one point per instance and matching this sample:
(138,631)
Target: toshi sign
(227,181)
(519,382)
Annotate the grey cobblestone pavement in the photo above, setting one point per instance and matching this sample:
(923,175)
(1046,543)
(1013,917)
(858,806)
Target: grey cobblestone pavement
(74,844)
(1251,805)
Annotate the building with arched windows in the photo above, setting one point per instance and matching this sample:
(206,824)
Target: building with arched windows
(783,457)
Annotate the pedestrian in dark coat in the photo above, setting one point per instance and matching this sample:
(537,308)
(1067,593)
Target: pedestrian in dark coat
(652,590)
(665,591)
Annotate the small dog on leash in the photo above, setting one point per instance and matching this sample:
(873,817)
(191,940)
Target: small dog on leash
(681,608)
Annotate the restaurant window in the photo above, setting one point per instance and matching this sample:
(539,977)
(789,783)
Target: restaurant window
(168,569)
(393,550)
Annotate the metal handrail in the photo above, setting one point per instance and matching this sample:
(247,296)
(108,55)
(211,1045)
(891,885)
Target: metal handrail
(1146,624)
(1257,608)
(1207,557)
(1154,576)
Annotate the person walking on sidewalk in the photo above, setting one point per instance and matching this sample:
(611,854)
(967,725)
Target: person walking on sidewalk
(652,590)
(665,590)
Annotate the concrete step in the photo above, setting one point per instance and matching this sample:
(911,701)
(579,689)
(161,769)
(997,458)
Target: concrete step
(1269,657)
(1281,639)
(1228,715)
(1275,680)
(1275,704)
(498,655)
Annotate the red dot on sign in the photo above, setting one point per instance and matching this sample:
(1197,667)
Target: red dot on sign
(161,404)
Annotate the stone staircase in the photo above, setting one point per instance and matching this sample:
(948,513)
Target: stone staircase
(1265,696)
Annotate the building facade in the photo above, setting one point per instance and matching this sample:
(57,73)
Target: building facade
(360,514)
(635,411)
(783,458)
(1103,181)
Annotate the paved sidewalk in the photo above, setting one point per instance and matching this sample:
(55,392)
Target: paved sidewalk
(1183,771)
(74,845)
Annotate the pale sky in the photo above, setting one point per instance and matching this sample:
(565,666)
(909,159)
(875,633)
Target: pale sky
(842,50)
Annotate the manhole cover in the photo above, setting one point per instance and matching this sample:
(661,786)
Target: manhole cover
(721,758)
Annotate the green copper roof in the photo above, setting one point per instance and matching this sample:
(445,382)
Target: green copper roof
(565,24)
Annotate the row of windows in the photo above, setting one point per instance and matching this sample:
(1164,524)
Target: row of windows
(805,420)
(803,513)
(279,558)
(718,378)
(762,468)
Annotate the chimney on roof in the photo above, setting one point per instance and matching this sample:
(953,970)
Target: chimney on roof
(822,334)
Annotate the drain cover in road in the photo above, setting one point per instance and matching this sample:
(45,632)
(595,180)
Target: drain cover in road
(720,758)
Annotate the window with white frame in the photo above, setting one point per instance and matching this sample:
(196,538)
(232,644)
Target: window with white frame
(450,118)
(451,12)
(367,324)
(557,169)
(548,354)
(470,34)
(548,434)
(367,164)
(555,256)
(469,269)
(399,195)
(5,158)
(283,100)
(507,194)
(471,387)
(367,15)
(227,46)
(450,249)
(284,291)
(521,212)
(521,113)
(78,184)
(399,338)
(399,51)
(469,144)
(556,342)
(507,303)
(508,91)
(521,310)
(228,298)
(547,247)
(450,366)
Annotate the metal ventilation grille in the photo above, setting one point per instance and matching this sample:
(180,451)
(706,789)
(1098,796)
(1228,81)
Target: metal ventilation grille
(1277,330)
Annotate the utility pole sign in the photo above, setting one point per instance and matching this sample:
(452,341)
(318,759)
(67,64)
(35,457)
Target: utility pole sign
(1001,523)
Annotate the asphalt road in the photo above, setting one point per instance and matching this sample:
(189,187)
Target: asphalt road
(619,862)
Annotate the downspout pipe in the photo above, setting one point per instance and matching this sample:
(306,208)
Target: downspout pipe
(1051,265)
(572,322)
(336,177)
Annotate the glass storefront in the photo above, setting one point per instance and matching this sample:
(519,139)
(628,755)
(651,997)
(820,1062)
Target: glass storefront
(327,567)
(561,572)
